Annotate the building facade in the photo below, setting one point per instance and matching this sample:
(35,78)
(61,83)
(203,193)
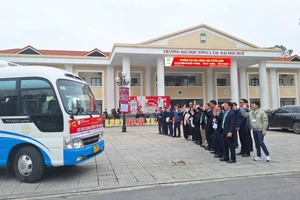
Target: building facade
(200,63)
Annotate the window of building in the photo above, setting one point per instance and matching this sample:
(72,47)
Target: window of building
(223,79)
(253,79)
(93,78)
(29,51)
(135,78)
(183,81)
(8,98)
(286,80)
(96,82)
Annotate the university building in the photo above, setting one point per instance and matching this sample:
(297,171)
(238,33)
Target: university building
(199,63)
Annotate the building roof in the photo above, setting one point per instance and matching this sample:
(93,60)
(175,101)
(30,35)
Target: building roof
(287,59)
(105,54)
(53,52)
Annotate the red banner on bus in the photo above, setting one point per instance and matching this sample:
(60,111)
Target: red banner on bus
(84,127)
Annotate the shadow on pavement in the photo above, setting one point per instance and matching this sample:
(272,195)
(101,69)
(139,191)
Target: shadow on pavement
(50,174)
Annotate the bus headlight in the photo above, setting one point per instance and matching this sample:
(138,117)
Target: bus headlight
(73,144)
(78,143)
(68,143)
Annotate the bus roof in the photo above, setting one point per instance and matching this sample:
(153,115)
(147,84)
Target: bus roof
(49,73)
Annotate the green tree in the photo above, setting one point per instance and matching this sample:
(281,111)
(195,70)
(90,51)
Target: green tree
(284,51)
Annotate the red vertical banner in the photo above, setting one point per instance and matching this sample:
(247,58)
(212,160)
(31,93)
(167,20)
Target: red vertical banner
(124,98)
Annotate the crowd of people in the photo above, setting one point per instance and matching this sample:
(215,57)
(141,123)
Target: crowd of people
(217,127)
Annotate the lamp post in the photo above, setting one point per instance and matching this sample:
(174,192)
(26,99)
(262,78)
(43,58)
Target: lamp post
(124,81)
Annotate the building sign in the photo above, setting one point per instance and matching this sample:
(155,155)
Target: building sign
(147,104)
(124,97)
(203,37)
(197,62)
(203,52)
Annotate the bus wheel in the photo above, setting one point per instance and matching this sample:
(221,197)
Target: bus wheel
(28,164)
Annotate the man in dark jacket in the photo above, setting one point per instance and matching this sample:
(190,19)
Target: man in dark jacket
(244,133)
(228,133)
(160,121)
(178,116)
(169,121)
(209,130)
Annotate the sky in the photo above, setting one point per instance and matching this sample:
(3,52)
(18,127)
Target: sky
(89,24)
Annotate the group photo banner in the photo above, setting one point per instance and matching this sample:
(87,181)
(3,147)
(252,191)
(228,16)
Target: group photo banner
(147,104)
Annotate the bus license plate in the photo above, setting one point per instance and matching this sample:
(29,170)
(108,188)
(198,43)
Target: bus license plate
(96,149)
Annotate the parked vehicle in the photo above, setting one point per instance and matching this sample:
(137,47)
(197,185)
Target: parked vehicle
(48,118)
(286,117)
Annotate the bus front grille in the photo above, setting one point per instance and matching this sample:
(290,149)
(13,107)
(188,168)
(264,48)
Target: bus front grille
(90,140)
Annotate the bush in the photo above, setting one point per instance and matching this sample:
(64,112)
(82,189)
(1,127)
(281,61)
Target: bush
(109,116)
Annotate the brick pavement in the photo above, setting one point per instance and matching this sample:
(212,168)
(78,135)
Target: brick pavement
(142,157)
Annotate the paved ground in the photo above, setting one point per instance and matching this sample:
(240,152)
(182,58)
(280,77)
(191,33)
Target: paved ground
(274,187)
(141,157)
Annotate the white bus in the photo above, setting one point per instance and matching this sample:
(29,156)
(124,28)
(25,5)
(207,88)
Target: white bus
(48,118)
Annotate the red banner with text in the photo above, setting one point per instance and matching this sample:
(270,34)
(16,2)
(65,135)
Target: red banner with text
(84,127)
(196,62)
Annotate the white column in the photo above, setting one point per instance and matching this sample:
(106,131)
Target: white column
(110,83)
(243,84)
(148,80)
(69,68)
(160,77)
(263,85)
(234,81)
(274,86)
(126,68)
(209,85)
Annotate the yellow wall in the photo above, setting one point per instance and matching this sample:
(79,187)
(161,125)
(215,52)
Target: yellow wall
(193,39)
(224,92)
(187,92)
(254,92)
(288,92)
(135,91)
(97,91)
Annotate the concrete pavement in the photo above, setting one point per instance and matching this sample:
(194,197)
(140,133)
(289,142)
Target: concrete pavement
(142,157)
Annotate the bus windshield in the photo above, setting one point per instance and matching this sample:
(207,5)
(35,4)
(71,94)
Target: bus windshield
(71,89)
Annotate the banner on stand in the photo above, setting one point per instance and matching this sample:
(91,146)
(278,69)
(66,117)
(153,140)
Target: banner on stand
(147,104)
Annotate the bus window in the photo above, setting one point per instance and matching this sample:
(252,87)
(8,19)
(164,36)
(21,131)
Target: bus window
(8,98)
(70,89)
(38,100)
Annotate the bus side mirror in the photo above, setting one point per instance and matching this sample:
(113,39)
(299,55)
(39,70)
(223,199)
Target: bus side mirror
(76,105)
